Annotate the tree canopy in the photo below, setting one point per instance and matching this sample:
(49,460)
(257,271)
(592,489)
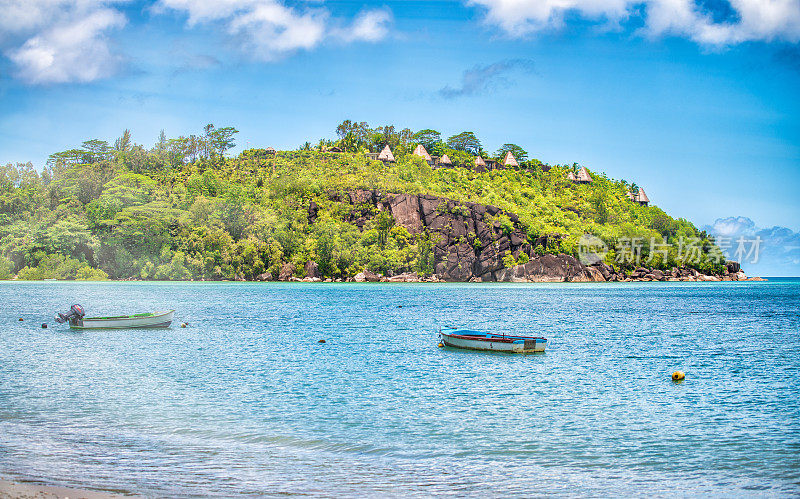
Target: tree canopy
(185,209)
(465,141)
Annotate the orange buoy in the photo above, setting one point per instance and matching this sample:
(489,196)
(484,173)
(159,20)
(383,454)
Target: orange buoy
(678,376)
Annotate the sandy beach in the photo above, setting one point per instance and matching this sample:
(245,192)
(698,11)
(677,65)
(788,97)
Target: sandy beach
(19,490)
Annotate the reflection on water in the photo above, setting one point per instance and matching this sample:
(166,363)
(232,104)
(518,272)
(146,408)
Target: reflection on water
(246,401)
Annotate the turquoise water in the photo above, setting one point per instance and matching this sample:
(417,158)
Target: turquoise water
(244,401)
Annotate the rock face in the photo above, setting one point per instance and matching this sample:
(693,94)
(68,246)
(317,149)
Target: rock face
(312,269)
(286,272)
(472,239)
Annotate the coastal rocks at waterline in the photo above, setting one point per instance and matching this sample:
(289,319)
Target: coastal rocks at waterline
(475,243)
(367,276)
(472,242)
(287,270)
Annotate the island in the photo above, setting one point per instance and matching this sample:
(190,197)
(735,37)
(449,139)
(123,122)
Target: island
(374,204)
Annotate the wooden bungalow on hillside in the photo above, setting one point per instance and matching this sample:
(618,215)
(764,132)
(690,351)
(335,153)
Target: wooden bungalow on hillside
(271,151)
(386,155)
(583,176)
(509,161)
(640,197)
(571,176)
(480,164)
(335,149)
(423,153)
(444,161)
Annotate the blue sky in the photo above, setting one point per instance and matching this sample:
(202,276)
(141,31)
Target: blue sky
(696,101)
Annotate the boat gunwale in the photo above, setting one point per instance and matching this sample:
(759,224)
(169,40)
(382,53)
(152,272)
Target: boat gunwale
(492,338)
(160,325)
(119,317)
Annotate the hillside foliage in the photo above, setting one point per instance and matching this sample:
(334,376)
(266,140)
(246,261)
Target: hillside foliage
(184,210)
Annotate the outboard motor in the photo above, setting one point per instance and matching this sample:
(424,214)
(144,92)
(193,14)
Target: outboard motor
(75,311)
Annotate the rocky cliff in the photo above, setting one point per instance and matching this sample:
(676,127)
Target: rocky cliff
(471,241)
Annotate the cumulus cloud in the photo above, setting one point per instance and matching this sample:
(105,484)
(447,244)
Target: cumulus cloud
(746,20)
(270,29)
(58,41)
(369,25)
(479,78)
(777,249)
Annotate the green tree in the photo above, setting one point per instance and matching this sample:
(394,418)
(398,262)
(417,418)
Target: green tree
(428,138)
(465,141)
(519,153)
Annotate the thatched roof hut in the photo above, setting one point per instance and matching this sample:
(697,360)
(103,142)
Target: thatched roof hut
(570,176)
(422,153)
(583,176)
(642,198)
(479,161)
(386,155)
(270,150)
(336,149)
(445,160)
(510,160)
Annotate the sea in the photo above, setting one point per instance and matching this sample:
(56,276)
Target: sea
(246,401)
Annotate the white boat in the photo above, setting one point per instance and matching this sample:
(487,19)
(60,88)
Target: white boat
(479,340)
(145,320)
(77,320)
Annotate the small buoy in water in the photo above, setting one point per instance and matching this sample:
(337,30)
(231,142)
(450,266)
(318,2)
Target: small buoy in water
(184,324)
(44,325)
(678,376)
(21,319)
(321,341)
(399,306)
(440,345)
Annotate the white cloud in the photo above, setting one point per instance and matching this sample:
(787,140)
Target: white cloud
(58,41)
(773,251)
(269,29)
(369,25)
(754,20)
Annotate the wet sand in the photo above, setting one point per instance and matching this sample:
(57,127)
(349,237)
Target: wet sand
(20,490)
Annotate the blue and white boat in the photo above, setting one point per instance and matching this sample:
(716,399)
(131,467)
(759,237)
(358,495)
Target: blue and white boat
(480,340)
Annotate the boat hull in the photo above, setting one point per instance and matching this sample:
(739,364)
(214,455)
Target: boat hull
(472,340)
(155,320)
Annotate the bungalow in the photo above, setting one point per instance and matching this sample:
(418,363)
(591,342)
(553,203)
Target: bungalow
(480,164)
(386,155)
(640,197)
(571,176)
(510,161)
(445,161)
(422,153)
(583,176)
(271,151)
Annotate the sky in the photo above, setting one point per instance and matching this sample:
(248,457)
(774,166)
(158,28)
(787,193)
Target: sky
(697,101)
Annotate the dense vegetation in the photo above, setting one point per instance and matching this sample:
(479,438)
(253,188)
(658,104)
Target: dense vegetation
(183,210)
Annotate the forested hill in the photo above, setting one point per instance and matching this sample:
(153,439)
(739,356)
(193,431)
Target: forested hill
(183,209)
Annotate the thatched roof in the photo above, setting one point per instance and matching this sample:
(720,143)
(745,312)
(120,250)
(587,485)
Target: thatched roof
(335,149)
(642,197)
(479,161)
(510,160)
(583,175)
(445,160)
(421,152)
(631,196)
(270,150)
(386,154)
(570,176)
